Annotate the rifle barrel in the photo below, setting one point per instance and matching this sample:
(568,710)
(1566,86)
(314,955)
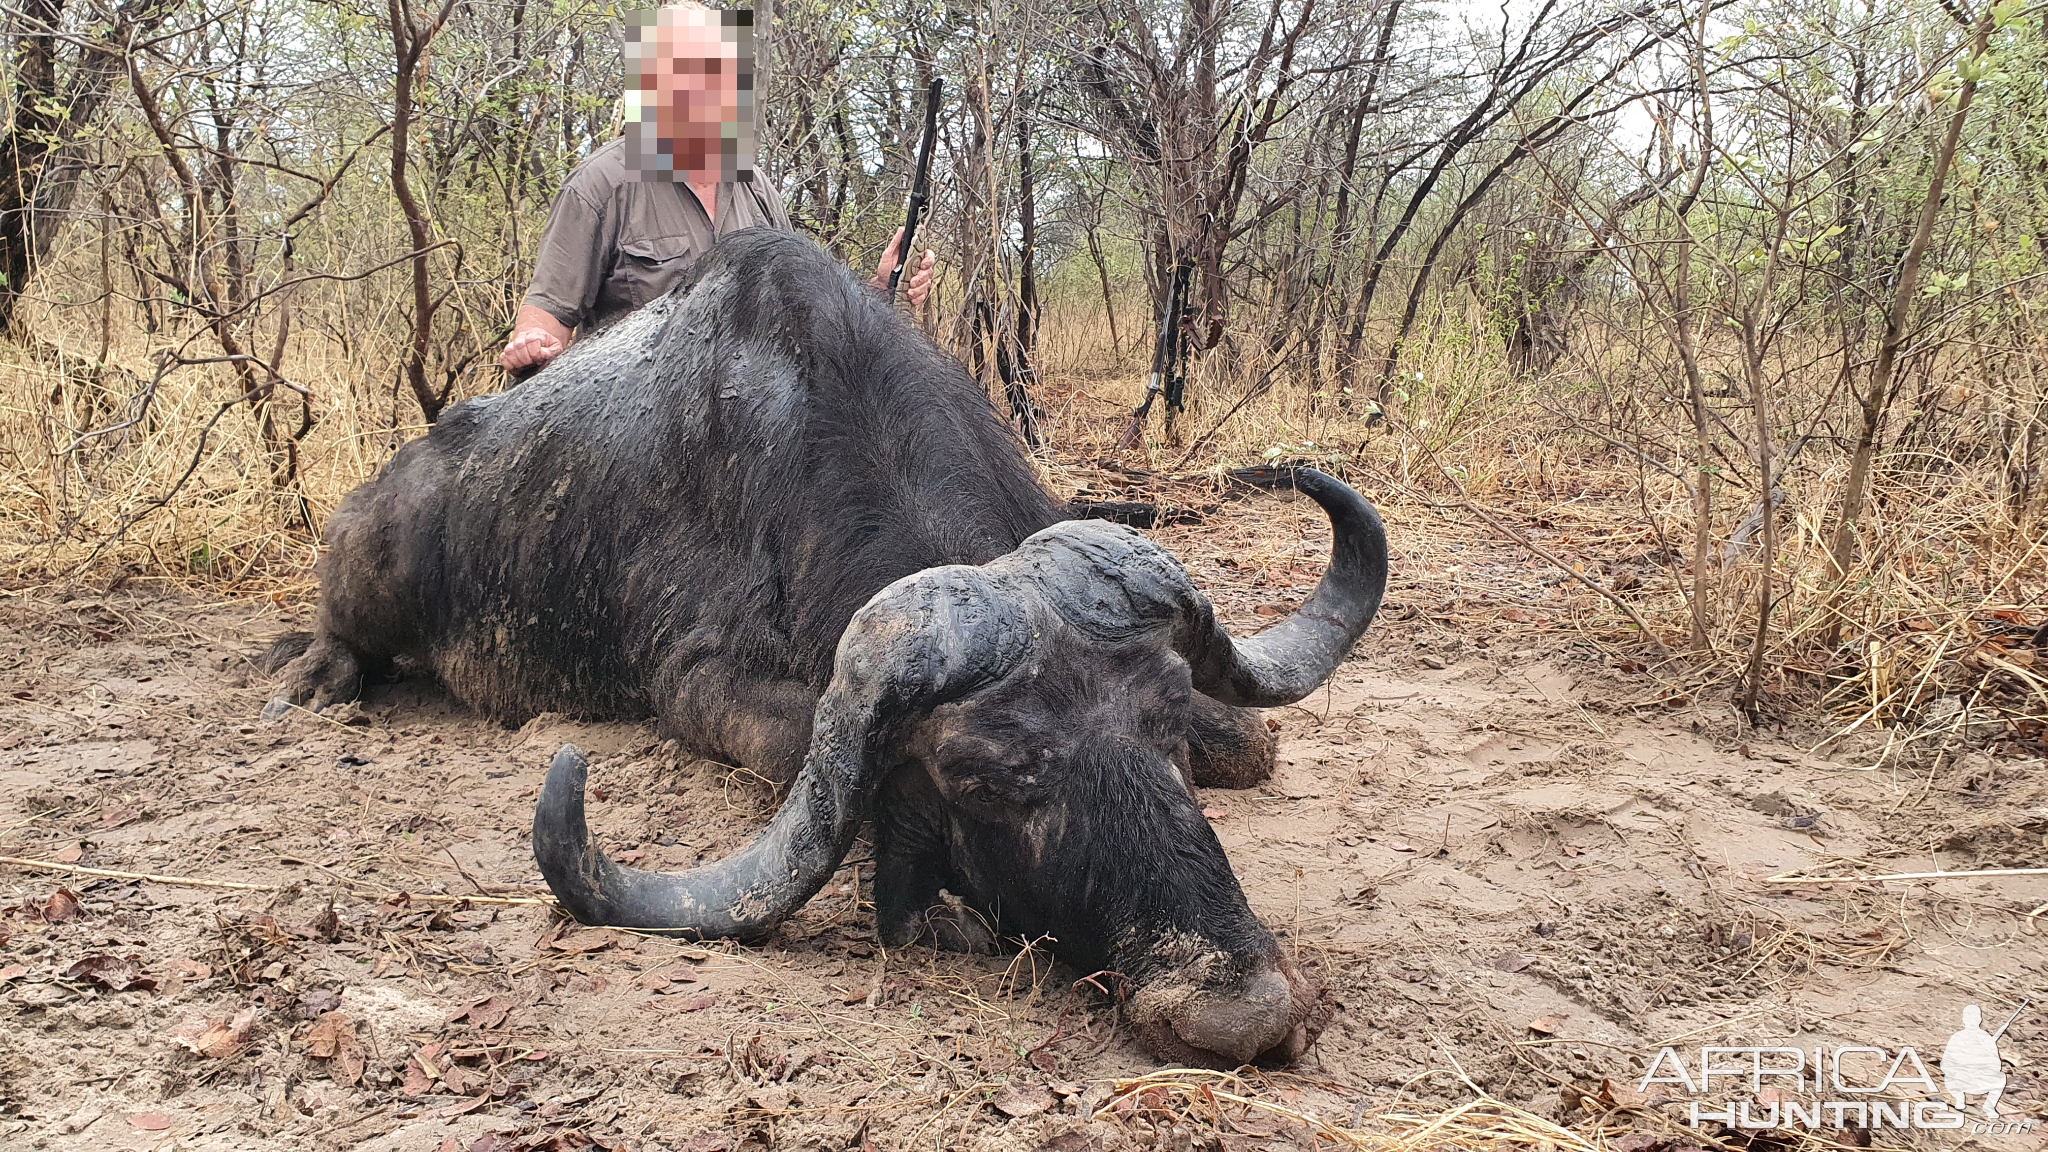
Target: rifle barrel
(920,184)
(2009,1019)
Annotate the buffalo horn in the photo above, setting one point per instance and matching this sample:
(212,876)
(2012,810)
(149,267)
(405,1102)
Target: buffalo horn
(1290,660)
(924,640)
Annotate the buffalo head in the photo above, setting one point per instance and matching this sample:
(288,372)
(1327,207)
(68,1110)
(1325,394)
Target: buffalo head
(1018,732)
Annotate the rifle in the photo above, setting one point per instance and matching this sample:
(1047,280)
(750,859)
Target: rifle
(1165,355)
(920,184)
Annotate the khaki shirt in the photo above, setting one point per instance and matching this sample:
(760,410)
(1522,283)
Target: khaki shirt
(613,243)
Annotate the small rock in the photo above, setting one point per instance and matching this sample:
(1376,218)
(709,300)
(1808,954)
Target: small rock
(1773,804)
(1435,662)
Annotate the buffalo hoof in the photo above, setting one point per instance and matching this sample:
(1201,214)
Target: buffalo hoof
(327,672)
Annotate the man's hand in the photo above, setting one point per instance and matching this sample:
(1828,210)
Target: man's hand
(537,337)
(919,283)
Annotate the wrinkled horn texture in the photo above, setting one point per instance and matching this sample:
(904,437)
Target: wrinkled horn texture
(923,640)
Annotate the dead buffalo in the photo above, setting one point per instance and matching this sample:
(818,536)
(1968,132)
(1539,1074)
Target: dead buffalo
(768,512)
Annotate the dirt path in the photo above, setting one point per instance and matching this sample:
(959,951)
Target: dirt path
(1517,869)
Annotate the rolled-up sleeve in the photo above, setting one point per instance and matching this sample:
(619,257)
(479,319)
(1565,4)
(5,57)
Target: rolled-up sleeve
(571,266)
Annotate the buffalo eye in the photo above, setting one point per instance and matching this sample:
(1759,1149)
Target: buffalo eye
(975,769)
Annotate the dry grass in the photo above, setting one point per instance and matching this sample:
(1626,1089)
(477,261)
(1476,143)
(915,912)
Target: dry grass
(1941,605)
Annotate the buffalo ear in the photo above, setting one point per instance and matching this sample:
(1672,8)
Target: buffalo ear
(930,637)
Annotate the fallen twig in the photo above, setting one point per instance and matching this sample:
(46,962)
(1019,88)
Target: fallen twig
(184,881)
(239,886)
(1793,878)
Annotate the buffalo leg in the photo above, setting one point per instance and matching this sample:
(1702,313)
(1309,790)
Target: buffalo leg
(1227,747)
(374,581)
(327,673)
(912,864)
(764,726)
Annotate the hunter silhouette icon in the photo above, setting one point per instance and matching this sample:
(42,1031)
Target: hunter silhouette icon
(1969,1064)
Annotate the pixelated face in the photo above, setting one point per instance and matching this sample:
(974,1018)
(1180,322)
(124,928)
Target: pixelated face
(690,93)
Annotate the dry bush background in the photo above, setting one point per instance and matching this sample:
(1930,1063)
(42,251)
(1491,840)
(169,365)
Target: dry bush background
(1597,279)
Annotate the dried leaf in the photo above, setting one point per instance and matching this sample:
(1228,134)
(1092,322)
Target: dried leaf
(693,1004)
(1547,1025)
(70,854)
(423,1069)
(1020,1100)
(62,906)
(463,1109)
(1623,1096)
(110,972)
(327,925)
(191,970)
(333,1037)
(1513,962)
(660,982)
(12,972)
(489,1012)
(216,1039)
(151,1121)
(323,1041)
(319,1002)
(588,940)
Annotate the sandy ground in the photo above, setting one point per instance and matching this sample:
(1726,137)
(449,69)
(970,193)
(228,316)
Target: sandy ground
(1523,863)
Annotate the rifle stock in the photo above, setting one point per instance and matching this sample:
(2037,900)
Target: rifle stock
(1165,351)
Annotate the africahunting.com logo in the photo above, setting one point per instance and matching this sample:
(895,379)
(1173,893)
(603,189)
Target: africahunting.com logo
(1850,1079)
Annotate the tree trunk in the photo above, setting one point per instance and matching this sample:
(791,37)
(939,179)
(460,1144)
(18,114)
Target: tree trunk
(53,108)
(1876,399)
(409,45)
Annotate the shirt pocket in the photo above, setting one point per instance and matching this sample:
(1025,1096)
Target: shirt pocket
(648,267)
